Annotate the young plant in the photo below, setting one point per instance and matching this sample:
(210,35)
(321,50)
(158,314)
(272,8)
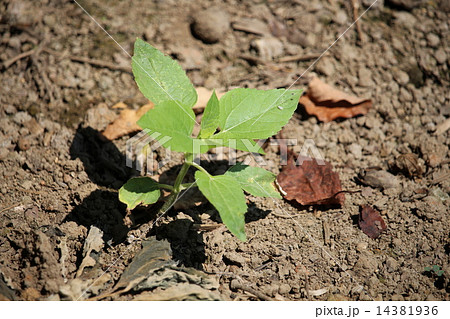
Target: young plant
(434,270)
(239,118)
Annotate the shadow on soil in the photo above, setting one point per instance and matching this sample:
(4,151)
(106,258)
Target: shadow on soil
(105,166)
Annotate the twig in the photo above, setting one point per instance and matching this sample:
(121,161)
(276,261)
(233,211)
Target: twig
(286,216)
(9,207)
(300,57)
(355,6)
(13,60)
(235,284)
(99,63)
(252,59)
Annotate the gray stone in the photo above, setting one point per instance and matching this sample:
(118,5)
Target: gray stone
(379,179)
(284,289)
(433,40)
(365,77)
(340,17)
(326,67)
(440,56)
(211,24)
(268,48)
(356,150)
(400,76)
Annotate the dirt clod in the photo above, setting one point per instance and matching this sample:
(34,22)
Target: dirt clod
(211,25)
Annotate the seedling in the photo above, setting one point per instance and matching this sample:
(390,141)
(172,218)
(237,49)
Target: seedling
(434,270)
(239,118)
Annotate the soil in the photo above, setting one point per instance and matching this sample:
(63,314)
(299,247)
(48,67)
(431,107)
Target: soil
(58,178)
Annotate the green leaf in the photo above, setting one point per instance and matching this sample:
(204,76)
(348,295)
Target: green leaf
(160,78)
(170,125)
(210,120)
(139,190)
(227,197)
(255,114)
(245,145)
(254,180)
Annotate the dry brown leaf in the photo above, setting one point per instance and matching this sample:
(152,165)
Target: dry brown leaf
(328,103)
(370,222)
(311,183)
(126,122)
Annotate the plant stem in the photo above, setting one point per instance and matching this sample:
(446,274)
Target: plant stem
(184,169)
(187,185)
(178,186)
(165,186)
(167,204)
(199,168)
(175,190)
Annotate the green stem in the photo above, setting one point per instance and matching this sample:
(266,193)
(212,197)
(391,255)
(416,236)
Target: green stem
(188,185)
(165,186)
(199,168)
(167,204)
(184,169)
(178,186)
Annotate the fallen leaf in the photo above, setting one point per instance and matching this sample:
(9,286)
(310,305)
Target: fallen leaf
(328,103)
(94,242)
(408,164)
(313,182)
(154,254)
(370,222)
(126,122)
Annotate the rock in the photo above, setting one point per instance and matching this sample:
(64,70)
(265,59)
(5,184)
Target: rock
(191,58)
(365,77)
(377,5)
(391,264)
(234,259)
(254,26)
(356,150)
(306,40)
(268,48)
(284,289)
(33,126)
(3,153)
(210,25)
(21,117)
(379,179)
(405,19)
(400,76)
(149,32)
(340,17)
(326,67)
(433,40)
(24,144)
(440,56)
(22,14)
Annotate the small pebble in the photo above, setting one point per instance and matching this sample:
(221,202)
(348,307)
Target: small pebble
(211,24)
(433,40)
(440,56)
(268,48)
(24,144)
(340,17)
(379,179)
(401,77)
(284,289)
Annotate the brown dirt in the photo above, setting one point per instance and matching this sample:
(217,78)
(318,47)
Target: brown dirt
(58,178)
